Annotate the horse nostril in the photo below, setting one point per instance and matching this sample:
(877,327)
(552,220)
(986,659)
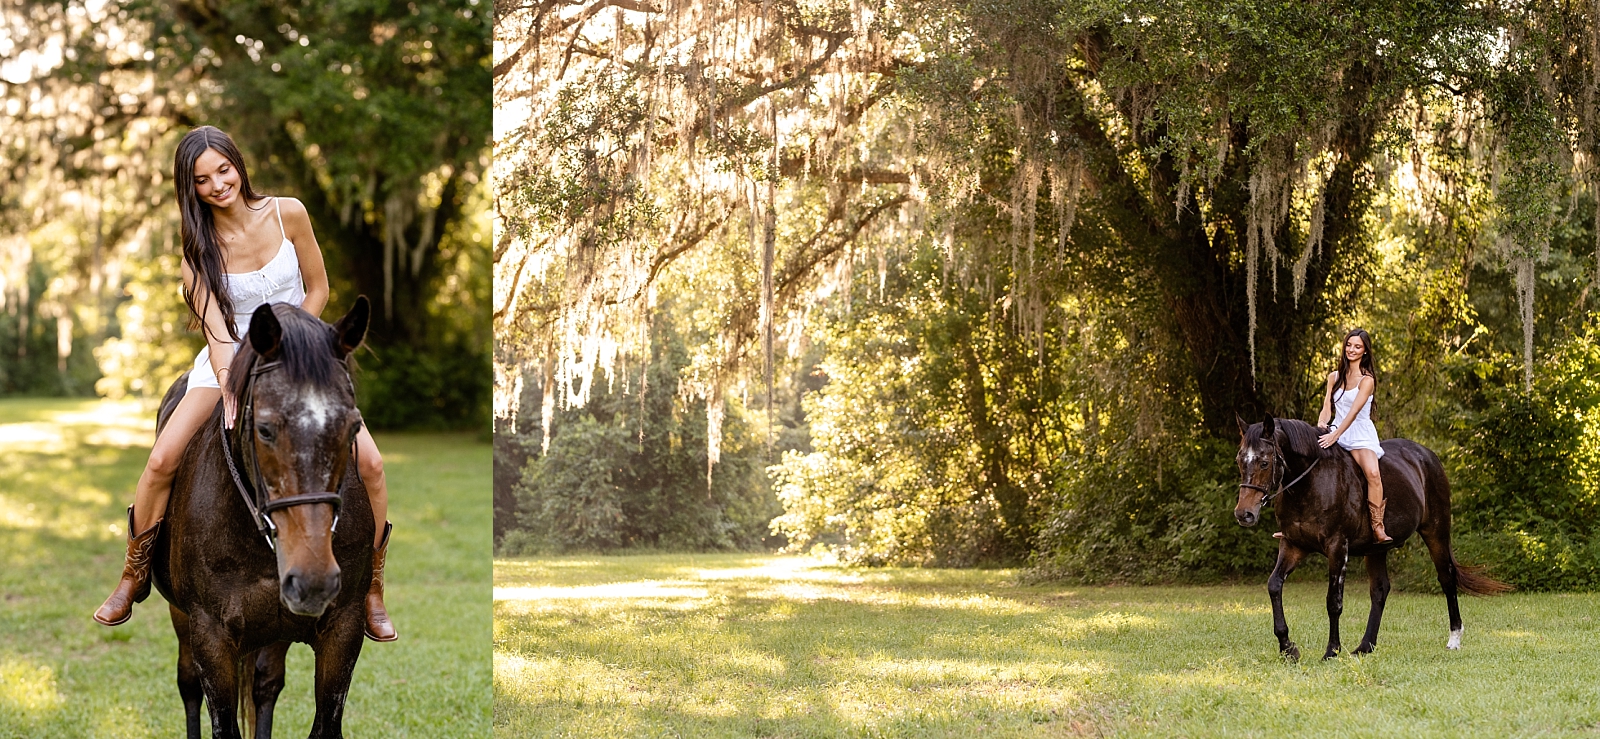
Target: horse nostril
(292,586)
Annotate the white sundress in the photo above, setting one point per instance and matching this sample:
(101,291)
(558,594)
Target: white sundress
(278,281)
(1361,434)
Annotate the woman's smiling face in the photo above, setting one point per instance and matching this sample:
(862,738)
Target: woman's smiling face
(216,180)
(1354,347)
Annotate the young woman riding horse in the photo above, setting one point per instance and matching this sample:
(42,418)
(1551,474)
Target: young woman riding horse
(233,263)
(1352,429)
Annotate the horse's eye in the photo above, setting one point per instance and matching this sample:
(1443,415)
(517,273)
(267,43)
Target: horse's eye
(266,432)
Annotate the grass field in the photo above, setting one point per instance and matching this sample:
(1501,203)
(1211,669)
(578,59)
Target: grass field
(761,646)
(67,470)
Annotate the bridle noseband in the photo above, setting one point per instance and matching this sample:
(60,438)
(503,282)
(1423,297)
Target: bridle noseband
(1279,464)
(255,494)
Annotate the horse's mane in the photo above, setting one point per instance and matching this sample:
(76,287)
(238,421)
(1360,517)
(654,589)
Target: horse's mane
(1295,436)
(305,351)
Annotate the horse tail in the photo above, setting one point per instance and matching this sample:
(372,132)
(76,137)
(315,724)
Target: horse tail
(1472,580)
(247,694)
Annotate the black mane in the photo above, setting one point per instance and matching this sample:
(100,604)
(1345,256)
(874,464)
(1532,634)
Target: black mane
(305,351)
(1294,436)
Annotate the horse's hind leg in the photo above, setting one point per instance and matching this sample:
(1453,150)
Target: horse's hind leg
(1445,566)
(1338,562)
(270,668)
(1378,574)
(1289,557)
(188,673)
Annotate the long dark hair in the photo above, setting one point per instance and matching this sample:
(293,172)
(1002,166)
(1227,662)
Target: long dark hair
(1369,366)
(201,247)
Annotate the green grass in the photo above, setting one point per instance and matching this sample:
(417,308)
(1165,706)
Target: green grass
(761,646)
(67,470)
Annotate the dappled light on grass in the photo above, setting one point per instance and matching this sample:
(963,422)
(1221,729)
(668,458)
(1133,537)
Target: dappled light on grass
(27,689)
(794,647)
(779,645)
(614,591)
(71,424)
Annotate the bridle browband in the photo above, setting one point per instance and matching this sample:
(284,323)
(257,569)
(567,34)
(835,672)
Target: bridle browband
(255,494)
(1280,463)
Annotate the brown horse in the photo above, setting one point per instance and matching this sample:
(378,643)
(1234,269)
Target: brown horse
(1323,508)
(258,549)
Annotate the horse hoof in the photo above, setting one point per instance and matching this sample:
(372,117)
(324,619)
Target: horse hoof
(1330,654)
(1291,653)
(1364,649)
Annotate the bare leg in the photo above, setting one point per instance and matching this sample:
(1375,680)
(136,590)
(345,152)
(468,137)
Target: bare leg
(370,464)
(155,483)
(150,504)
(1369,467)
(1368,462)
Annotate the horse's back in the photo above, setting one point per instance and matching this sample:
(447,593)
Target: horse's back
(169,402)
(1421,470)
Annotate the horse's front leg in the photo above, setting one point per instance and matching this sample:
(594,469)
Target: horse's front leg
(216,655)
(188,673)
(1378,574)
(1289,557)
(1338,561)
(270,668)
(337,650)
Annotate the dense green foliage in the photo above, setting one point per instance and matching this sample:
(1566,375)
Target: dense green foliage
(1043,254)
(629,470)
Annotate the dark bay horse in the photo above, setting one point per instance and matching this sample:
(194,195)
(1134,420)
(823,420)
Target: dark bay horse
(1320,497)
(270,542)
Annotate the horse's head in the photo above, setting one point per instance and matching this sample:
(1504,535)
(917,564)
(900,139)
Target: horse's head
(297,419)
(1260,469)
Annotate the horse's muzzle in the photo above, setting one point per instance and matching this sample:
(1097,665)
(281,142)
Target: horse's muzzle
(306,594)
(1247,516)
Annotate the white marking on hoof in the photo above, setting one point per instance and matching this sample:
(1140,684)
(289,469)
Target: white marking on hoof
(1455,639)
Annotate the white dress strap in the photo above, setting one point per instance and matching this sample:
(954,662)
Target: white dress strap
(278,204)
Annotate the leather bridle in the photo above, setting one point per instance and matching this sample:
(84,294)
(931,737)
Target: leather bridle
(255,494)
(1279,465)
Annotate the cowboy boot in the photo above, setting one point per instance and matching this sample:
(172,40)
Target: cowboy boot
(135,584)
(378,626)
(1376,510)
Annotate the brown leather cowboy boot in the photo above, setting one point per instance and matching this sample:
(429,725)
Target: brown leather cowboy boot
(1376,509)
(378,626)
(135,583)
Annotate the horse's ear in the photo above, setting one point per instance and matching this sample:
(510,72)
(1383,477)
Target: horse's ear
(265,332)
(1268,429)
(352,328)
(1242,425)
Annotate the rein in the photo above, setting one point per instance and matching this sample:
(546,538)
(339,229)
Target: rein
(255,494)
(1279,468)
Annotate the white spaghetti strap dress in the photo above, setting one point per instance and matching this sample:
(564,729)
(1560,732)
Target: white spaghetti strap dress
(1361,434)
(279,281)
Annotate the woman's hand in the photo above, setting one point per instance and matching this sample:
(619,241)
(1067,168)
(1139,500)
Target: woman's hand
(230,406)
(1327,440)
